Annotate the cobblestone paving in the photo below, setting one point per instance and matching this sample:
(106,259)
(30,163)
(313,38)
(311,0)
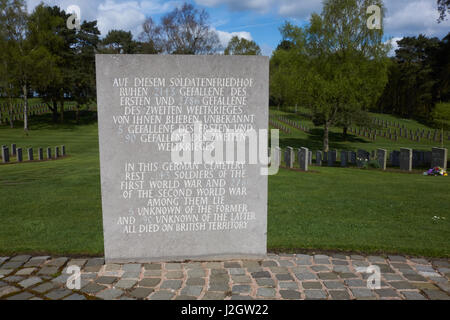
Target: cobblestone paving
(284,276)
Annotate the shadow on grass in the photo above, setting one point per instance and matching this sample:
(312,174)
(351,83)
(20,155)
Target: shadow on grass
(314,141)
(45,121)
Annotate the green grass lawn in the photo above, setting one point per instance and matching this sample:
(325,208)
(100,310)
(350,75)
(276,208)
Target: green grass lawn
(314,139)
(54,206)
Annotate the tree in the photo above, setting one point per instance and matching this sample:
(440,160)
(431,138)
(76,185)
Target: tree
(150,38)
(27,63)
(186,30)
(242,46)
(119,41)
(417,78)
(83,69)
(443,8)
(341,63)
(48,31)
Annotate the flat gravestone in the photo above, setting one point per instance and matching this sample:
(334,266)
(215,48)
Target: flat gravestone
(439,158)
(155,208)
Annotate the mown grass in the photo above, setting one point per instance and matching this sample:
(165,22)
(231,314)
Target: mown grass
(55,206)
(314,139)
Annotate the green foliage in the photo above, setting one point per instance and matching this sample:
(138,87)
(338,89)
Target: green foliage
(443,8)
(241,46)
(441,115)
(335,66)
(119,41)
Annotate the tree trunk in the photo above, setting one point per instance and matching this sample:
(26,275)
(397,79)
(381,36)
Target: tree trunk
(77,114)
(344,132)
(61,104)
(11,122)
(25,107)
(326,129)
(55,111)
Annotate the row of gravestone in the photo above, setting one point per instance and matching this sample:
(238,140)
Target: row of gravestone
(405,159)
(294,124)
(6,153)
(279,126)
(17,112)
(403,131)
(395,135)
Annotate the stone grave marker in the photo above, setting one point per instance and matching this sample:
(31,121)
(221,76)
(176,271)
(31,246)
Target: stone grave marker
(19,154)
(30,154)
(382,158)
(319,158)
(158,209)
(439,158)
(303,161)
(406,159)
(289,157)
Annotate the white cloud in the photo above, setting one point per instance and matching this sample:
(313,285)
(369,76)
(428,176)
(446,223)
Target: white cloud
(394,45)
(120,16)
(225,37)
(411,17)
(299,9)
(239,5)
(114,14)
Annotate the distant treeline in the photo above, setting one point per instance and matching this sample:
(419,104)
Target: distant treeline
(41,56)
(419,78)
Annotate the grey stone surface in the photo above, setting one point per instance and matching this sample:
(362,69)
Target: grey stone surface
(339,294)
(167,96)
(162,295)
(411,295)
(21,296)
(241,289)
(406,159)
(171,284)
(193,291)
(75,296)
(266,292)
(4,291)
(382,158)
(125,283)
(439,157)
(141,293)
(303,158)
(290,294)
(30,282)
(109,294)
(58,294)
(149,282)
(315,294)
(362,293)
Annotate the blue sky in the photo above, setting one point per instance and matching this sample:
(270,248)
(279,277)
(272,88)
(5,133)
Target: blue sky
(258,20)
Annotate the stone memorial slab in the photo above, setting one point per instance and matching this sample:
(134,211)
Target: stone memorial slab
(19,154)
(5,154)
(382,158)
(30,154)
(439,157)
(303,161)
(156,207)
(319,158)
(344,158)
(406,159)
(289,157)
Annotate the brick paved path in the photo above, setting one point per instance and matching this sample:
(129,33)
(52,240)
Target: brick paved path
(277,277)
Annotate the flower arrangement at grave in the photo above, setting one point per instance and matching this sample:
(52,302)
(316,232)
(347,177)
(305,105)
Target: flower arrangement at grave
(436,171)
